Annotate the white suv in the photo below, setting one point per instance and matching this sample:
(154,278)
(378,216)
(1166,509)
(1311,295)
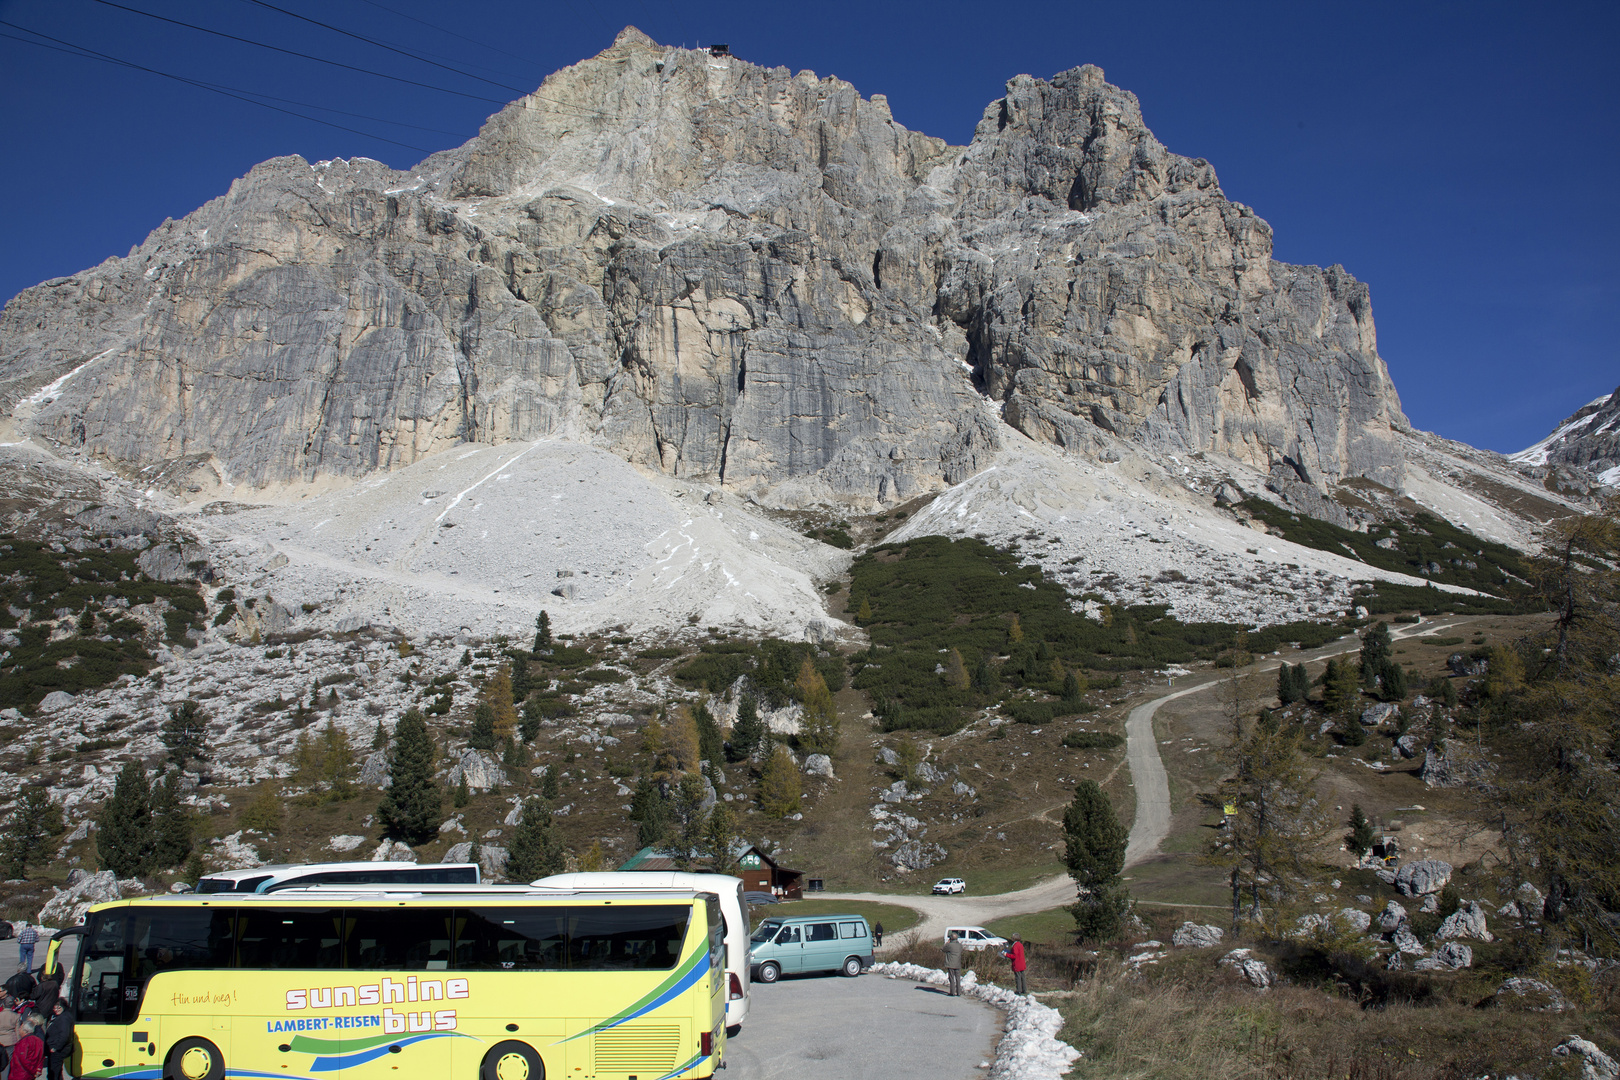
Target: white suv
(947,886)
(975,938)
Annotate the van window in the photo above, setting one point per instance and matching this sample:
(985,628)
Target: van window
(821,931)
(767,930)
(851,929)
(788,936)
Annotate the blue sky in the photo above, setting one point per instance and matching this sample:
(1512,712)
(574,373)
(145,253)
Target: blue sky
(1460,158)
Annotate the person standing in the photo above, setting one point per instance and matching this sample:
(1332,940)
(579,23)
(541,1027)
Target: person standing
(877,936)
(27,938)
(953,962)
(1015,953)
(28,1058)
(58,1040)
(10,1028)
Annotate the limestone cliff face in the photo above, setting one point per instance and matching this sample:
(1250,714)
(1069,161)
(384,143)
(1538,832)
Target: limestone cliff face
(721,271)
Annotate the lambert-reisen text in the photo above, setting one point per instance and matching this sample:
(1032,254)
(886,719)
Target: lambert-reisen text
(385,993)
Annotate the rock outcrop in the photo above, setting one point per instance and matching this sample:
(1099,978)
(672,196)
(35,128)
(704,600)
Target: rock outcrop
(720,271)
(1589,439)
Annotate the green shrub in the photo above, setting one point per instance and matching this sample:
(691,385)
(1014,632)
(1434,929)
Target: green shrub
(1092,740)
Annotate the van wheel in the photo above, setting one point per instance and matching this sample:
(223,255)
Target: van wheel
(733,1031)
(769,972)
(512,1060)
(852,966)
(194,1059)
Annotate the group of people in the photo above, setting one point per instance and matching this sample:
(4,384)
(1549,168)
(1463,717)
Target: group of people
(36,1026)
(953,962)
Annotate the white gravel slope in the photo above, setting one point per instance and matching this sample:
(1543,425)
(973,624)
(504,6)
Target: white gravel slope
(483,538)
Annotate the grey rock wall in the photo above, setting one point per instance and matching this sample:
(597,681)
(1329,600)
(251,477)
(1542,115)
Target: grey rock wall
(721,271)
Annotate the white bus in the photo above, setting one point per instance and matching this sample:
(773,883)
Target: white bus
(268,879)
(732,906)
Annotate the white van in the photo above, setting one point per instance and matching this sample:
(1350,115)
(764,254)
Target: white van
(732,907)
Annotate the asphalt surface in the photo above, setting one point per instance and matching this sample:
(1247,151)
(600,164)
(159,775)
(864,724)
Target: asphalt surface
(868,1028)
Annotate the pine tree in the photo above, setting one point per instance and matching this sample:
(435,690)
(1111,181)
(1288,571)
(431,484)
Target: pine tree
(413,806)
(1302,682)
(1394,682)
(542,633)
(818,730)
(710,745)
(956,675)
(1339,686)
(1094,849)
(1354,733)
(516,753)
(124,834)
(746,731)
(535,851)
(34,820)
(1073,687)
(720,839)
(656,745)
(1376,644)
(909,756)
(863,614)
(1360,838)
(551,783)
(185,734)
(520,678)
(482,735)
(463,794)
(1287,685)
(171,824)
(779,787)
(475,853)
(379,738)
(194,869)
(689,820)
(529,726)
(650,811)
(986,679)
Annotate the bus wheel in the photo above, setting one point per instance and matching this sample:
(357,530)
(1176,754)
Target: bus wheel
(512,1061)
(769,973)
(194,1059)
(852,966)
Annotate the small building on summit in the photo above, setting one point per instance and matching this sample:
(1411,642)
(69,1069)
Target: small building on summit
(759,872)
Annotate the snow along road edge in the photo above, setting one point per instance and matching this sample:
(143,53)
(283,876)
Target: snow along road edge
(1030,1050)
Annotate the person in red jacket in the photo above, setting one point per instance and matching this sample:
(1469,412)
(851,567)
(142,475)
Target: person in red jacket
(1016,955)
(28,1056)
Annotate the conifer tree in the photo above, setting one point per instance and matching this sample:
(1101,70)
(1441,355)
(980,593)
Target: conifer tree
(909,757)
(710,745)
(1094,849)
(1393,687)
(475,853)
(594,859)
(171,824)
(520,678)
(689,820)
(516,753)
(1339,686)
(379,738)
(124,834)
(463,794)
(779,786)
(1354,733)
(1015,632)
(34,820)
(746,731)
(986,679)
(818,730)
(535,851)
(956,674)
(185,734)
(1287,684)
(498,694)
(650,811)
(684,742)
(482,735)
(863,614)
(1376,644)
(1073,688)
(1359,840)
(337,761)
(542,633)
(551,783)
(413,806)
(655,744)
(720,839)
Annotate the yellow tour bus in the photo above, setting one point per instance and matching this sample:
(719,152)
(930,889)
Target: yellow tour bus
(474,985)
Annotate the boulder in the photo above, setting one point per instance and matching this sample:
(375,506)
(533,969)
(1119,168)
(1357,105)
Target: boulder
(1594,1063)
(374,770)
(1466,922)
(819,765)
(1431,904)
(928,774)
(481,771)
(1465,666)
(1191,935)
(1251,968)
(1531,994)
(1351,919)
(67,906)
(1452,956)
(234,853)
(895,793)
(887,756)
(1406,942)
(345,843)
(492,862)
(55,701)
(1423,877)
(458,853)
(1407,746)
(1391,918)
(393,851)
(1312,923)
(1374,715)
(1530,900)
(964,790)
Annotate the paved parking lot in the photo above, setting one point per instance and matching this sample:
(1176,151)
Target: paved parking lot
(869,1028)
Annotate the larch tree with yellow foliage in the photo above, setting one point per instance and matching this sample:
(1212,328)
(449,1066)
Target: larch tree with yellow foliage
(818,730)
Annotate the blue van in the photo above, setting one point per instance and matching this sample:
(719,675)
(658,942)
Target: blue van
(795,945)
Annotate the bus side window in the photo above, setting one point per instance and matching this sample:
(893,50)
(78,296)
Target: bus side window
(270,938)
(405,939)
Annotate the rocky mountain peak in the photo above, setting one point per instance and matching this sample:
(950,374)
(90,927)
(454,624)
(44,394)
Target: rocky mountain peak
(723,272)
